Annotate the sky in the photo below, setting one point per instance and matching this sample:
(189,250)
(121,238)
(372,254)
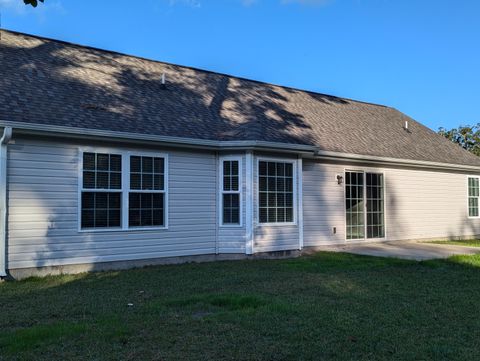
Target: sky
(419,56)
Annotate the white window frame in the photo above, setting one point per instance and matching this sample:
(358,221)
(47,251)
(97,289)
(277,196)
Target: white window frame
(294,191)
(468,198)
(221,191)
(124,190)
(365,171)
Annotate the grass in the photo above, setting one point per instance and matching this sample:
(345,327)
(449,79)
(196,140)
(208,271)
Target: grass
(463,242)
(328,306)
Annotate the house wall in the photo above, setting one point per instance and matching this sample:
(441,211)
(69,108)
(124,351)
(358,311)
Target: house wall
(43,201)
(43,208)
(419,204)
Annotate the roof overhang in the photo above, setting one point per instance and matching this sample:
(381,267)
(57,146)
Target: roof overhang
(138,138)
(308,151)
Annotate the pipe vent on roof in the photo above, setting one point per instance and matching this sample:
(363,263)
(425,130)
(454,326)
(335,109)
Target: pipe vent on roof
(164,86)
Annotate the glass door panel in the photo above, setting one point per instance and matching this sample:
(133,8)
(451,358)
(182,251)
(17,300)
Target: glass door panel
(355,207)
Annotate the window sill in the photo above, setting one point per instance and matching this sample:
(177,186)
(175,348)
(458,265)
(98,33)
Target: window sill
(131,229)
(282,224)
(231,226)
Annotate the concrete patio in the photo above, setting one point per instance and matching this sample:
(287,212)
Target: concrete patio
(414,250)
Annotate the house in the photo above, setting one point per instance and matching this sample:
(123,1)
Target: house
(110,160)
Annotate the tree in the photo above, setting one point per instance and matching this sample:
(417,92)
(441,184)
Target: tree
(34,3)
(468,137)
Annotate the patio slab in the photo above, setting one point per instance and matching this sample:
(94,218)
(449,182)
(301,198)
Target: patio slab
(413,250)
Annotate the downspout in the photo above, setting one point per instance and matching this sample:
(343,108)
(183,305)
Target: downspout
(7,135)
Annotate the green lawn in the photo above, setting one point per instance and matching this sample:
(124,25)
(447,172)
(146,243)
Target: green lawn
(465,242)
(328,306)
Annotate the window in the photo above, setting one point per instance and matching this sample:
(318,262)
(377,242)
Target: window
(275,185)
(101,203)
(364,205)
(375,206)
(146,200)
(230,178)
(473,195)
(122,190)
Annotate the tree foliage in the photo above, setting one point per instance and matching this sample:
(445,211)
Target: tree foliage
(34,3)
(468,137)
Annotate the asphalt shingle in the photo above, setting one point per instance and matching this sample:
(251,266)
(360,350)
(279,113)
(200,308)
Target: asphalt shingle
(46,81)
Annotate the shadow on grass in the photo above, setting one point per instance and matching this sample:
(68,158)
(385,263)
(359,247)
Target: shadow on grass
(323,306)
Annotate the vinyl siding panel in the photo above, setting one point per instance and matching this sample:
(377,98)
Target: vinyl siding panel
(419,204)
(43,197)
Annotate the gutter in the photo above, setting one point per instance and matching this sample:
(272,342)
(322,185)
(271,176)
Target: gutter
(358,158)
(85,133)
(7,135)
(307,151)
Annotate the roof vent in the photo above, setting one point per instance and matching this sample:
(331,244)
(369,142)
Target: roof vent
(163,81)
(406,126)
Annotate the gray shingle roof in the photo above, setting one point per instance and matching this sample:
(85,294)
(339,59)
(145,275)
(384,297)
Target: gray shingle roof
(51,82)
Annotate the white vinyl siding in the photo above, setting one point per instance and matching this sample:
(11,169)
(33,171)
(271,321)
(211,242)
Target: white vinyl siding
(419,204)
(43,209)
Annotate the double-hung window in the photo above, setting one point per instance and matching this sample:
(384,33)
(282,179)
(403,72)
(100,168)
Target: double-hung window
(473,195)
(122,190)
(230,189)
(275,192)
(146,200)
(101,196)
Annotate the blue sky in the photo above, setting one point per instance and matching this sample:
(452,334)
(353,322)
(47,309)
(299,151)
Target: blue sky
(420,56)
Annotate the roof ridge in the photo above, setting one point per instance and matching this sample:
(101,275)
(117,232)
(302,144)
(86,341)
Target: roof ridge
(191,67)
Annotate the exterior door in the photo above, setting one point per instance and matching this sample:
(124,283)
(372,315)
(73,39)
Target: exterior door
(364,205)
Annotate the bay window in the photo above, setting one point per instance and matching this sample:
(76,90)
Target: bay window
(230,191)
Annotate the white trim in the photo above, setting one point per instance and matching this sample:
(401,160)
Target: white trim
(361,158)
(468,198)
(249,219)
(364,171)
(124,190)
(221,192)
(300,202)
(6,137)
(294,191)
(88,133)
(314,151)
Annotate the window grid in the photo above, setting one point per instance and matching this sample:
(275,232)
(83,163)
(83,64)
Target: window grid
(355,206)
(100,203)
(146,199)
(231,207)
(375,206)
(473,196)
(104,190)
(275,192)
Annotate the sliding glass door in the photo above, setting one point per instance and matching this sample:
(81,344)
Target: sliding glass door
(364,205)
